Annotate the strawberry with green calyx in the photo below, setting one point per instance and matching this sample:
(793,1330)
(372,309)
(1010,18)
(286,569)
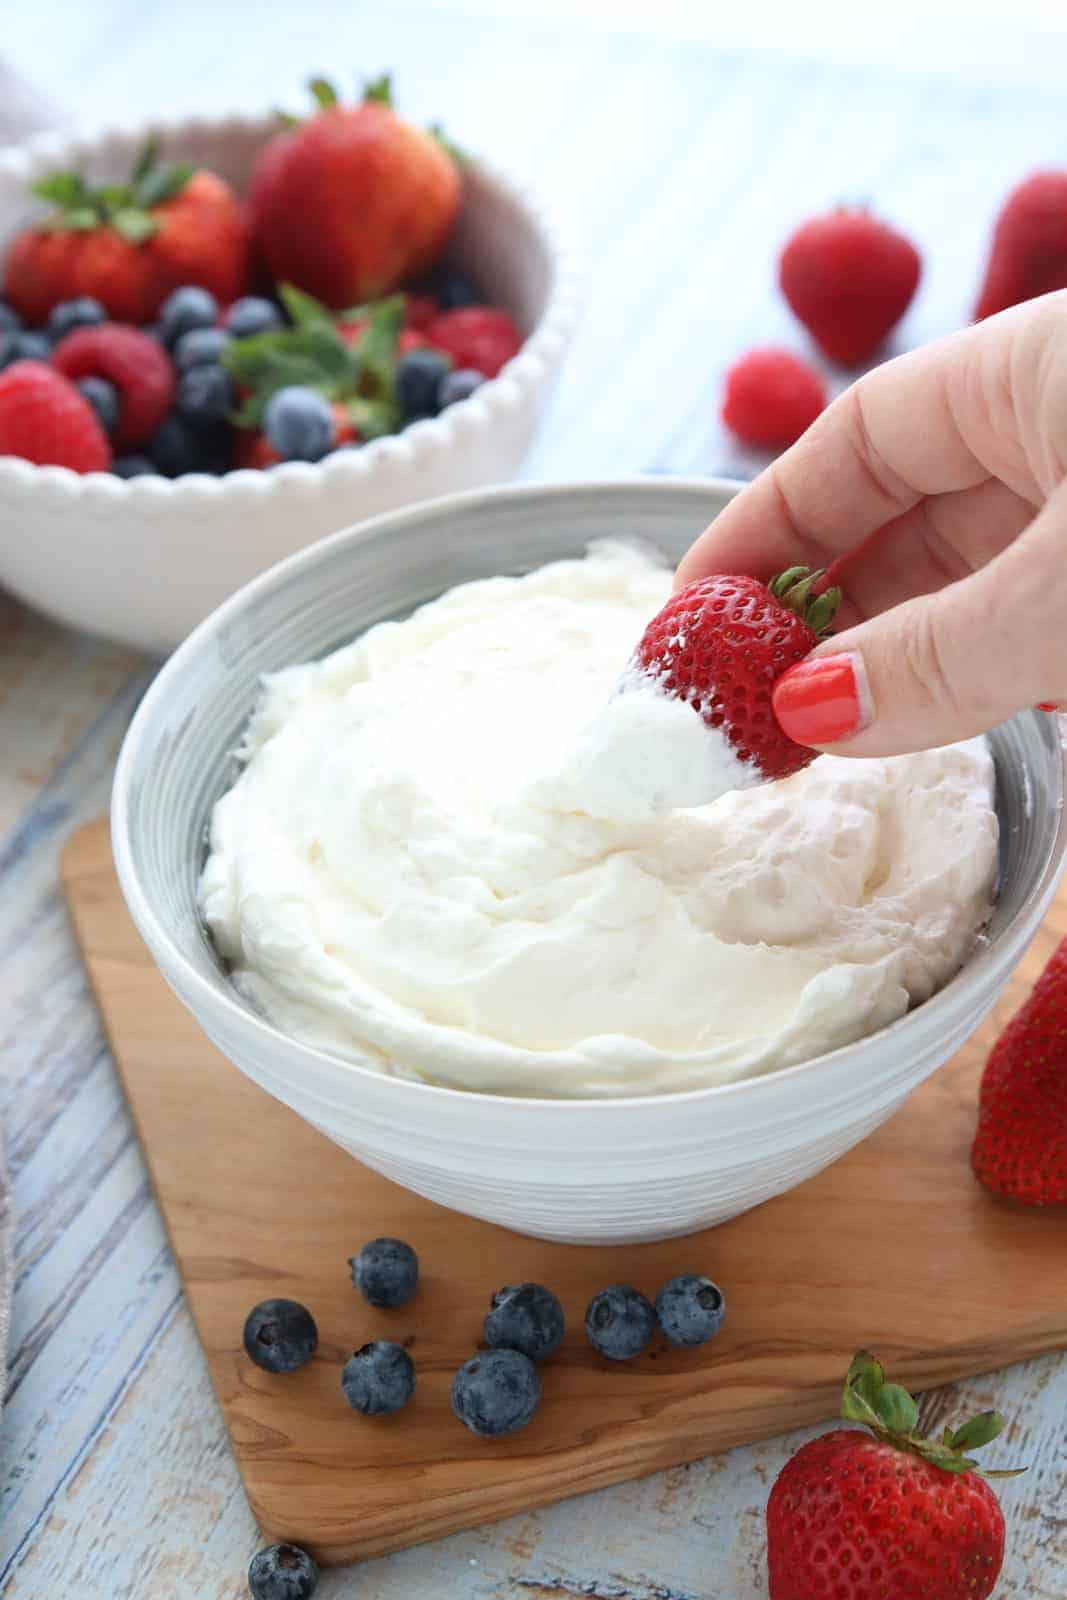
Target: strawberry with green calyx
(376,198)
(888,1512)
(129,244)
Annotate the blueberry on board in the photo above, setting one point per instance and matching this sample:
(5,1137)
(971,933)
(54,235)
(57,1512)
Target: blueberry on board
(525,1317)
(620,1322)
(280,1335)
(104,399)
(282,1572)
(32,347)
(185,310)
(419,375)
(378,1379)
(496,1393)
(386,1272)
(252,315)
(690,1309)
(84,312)
(200,347)
(205,395)
(10,321)
(134,467)
(299,424)
(459,385)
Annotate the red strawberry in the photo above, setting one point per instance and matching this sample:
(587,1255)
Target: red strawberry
(139,368)
(128,245)
(44,419)
(1020,1148)
(1029,254)
(771,398)
(376,199)
(893,1517)
(253,449)
(719,644)
(850,279)
(479,337)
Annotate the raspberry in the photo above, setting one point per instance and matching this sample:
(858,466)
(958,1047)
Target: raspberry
(771,398)
(139,368)
(44,419)
(476,336)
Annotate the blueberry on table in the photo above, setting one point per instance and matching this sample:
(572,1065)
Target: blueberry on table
(299,424)
(134,467)
(386,1272)
(378,1379)
(459,385)
(184,310)
(620,1322)
(419,375)
(10,321)
(205,395)
(200,347)
(282,1572)
(84,312)
(525,1317)
(496,1393)
(104,399)
(280,1335)
(251,315)
(690,1309)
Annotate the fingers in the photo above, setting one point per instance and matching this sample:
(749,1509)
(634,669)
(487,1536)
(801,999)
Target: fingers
(943,666)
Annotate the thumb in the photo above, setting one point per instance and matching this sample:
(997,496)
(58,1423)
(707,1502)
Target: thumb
(942,667)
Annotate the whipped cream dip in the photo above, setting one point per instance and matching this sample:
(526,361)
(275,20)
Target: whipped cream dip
(456,853)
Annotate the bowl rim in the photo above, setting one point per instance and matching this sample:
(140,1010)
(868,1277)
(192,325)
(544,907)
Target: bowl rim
(202,998)
(498,397)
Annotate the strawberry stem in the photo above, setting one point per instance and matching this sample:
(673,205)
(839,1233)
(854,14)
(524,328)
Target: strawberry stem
(793,589)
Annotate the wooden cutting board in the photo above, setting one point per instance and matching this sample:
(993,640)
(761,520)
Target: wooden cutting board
(895,1247)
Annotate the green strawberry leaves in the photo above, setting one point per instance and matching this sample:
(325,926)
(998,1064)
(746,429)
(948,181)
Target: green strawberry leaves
(126,207)
(379,90)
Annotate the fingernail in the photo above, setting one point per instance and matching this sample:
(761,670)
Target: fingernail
(823,700)
(1049,705)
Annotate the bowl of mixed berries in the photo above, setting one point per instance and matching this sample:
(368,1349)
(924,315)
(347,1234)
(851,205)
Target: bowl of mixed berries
(220,341)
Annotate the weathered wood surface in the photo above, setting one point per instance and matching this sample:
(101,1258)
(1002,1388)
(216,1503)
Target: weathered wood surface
(677,169)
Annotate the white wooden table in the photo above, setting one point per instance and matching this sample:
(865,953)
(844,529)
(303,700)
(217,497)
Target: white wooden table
(677,169)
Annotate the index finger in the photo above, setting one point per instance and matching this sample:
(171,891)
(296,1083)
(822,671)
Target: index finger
(896,436)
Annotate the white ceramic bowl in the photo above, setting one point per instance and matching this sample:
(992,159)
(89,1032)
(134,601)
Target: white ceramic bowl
(581,1171)
(144,561)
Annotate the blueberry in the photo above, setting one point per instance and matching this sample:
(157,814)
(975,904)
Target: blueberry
(282,1572)
(206,395)
(379,1379)
(10,321)
(386,1272)
(32,347)
(253,315)
(184,310)
(200,347)
(496,1393)
(85,312)
(134,467)
(8,348)
(527,1318)
(690,1309)
(175,448)
(459,385)
(280,1335)
(620,1322)
(299,424)
(418,382)
(104,399)
(453,289)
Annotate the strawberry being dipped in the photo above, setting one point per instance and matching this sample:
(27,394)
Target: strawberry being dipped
(353,202)
(886,1515)
(128,245)
(1029,254)
(849,278)
(1020,1147)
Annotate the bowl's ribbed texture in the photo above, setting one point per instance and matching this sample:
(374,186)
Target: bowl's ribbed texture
(583,1171)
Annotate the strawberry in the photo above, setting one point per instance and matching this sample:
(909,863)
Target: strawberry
(129,244)
(44,419)
(889,1517)
(376,199)
(1029,253)
(771,398)
(1020,1148)
(719,644)
(481,338)
(849,278)
(139,368)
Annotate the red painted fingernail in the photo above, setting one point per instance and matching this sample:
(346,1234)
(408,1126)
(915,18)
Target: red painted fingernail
(823,700)
(1049,705)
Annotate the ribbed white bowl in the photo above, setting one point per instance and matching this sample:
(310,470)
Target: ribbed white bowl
(144,561)
(581,1171)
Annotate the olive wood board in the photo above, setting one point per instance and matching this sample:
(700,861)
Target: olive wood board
(894,1247)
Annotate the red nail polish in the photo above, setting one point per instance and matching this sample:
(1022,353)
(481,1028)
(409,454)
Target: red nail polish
(1049,705)
(823,700)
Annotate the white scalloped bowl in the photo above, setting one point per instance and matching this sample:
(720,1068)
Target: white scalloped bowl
(144,561)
